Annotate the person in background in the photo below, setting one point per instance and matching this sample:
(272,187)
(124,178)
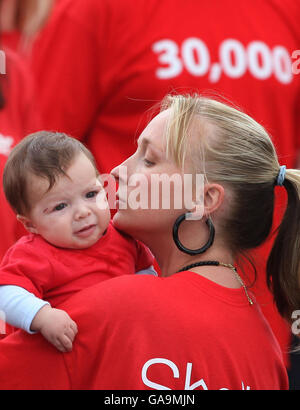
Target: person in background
(100,65)
(18,116)
(20,21)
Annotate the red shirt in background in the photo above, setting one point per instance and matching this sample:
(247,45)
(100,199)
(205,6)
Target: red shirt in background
(18,118)
(11,40)
(100,65)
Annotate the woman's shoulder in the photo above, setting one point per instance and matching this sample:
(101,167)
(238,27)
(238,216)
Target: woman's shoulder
(131,296)
(124,287)
(126,294)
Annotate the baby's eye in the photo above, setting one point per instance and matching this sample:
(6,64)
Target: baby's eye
(59,207)
(91,194)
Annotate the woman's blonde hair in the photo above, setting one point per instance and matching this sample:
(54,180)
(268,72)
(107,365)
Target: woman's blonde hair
(231,148)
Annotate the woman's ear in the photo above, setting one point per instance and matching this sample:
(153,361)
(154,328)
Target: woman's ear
(213,197)
(28,225)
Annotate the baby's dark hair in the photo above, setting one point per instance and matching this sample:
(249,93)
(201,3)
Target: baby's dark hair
(45,154)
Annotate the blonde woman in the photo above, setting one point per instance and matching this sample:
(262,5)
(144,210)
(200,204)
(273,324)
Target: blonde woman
(198,326)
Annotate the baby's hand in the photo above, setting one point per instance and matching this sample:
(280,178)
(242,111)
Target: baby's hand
(56,326)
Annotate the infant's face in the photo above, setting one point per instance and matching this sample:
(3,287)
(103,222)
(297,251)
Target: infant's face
(74,213)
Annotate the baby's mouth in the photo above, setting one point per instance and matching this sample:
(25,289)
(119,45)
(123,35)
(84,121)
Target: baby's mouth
(86,230)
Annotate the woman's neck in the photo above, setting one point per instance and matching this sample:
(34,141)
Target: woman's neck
(221,275)
(170,259)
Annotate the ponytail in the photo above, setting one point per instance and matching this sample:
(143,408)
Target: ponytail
(283,266)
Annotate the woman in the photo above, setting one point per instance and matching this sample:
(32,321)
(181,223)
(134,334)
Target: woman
(198,326)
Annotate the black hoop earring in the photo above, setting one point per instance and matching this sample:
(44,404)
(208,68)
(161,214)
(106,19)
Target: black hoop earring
(193,251)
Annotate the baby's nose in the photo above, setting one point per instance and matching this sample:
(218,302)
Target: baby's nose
(82,211)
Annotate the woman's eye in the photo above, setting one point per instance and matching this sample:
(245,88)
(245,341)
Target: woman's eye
(91,194)
(60,207)
(148,163)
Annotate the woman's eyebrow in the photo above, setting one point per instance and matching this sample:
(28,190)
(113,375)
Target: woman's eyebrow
(143,141)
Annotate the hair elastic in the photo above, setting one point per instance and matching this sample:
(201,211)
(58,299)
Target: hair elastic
(281,175)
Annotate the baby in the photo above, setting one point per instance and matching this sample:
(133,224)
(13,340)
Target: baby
(52,183)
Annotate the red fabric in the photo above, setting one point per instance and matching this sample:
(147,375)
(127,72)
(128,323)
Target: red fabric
(199,335)
(21,368)
(101,64)
(20,115)
(18,118)
(54,274)
(11,39)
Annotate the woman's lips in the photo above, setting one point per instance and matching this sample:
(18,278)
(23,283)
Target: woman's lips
(86,231)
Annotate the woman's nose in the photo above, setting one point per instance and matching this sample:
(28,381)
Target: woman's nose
(121,171)
(116,172)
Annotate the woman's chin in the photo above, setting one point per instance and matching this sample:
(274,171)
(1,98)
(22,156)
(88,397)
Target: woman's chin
(120,221)
(128,223)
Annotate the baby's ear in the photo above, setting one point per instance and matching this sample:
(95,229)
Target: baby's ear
(28,225)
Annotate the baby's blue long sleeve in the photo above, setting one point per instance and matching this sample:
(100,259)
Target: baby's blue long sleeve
(18,307)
